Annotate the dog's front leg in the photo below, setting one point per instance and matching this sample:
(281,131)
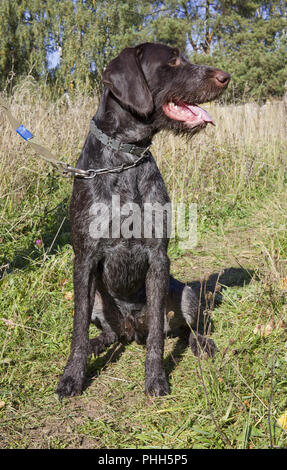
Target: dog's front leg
(157,282)
(72,381)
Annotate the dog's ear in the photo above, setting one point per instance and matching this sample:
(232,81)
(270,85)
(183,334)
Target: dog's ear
(125,78)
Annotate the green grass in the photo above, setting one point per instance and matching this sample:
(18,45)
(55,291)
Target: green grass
(233,391)
(233,401)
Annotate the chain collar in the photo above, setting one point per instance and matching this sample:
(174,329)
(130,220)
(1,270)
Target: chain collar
(92,172)
(141,152)
(115,144)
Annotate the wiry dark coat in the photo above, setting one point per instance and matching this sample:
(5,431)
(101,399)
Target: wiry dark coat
(123,285)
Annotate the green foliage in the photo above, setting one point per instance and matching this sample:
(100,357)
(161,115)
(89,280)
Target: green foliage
(87,35)
(22,39)
(251,44)
(246,38)
(68,43)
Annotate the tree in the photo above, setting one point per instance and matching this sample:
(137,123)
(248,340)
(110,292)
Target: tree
(68,43)
(248,38)
(23,39)
(251,43)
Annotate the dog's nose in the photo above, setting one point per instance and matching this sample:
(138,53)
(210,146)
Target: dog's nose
(222,78)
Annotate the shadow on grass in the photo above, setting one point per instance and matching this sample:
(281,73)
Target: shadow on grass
(113,354)
(209,291)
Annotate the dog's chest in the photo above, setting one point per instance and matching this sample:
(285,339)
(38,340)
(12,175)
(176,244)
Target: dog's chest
(124,268)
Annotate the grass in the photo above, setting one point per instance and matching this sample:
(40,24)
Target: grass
(236,174)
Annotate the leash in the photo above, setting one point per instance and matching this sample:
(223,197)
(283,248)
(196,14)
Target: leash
(64,168)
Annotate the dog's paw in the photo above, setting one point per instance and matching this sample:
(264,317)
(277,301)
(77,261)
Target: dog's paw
(202,345)
(68,387)
(157,386)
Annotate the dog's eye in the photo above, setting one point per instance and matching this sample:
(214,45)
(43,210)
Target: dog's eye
(174,62)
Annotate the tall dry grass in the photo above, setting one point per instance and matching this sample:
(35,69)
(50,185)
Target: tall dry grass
(60,125)
(246,141)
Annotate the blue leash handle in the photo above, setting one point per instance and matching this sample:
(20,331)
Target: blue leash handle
(24,133)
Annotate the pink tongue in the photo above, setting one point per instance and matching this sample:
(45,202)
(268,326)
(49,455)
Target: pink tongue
(198,111)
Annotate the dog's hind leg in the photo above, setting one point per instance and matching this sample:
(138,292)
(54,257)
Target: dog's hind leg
(107,336)
(101,342)
(200,344)
(185,317)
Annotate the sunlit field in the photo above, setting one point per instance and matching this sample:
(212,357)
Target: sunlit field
(236,173)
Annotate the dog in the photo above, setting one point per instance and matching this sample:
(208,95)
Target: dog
(123,284)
